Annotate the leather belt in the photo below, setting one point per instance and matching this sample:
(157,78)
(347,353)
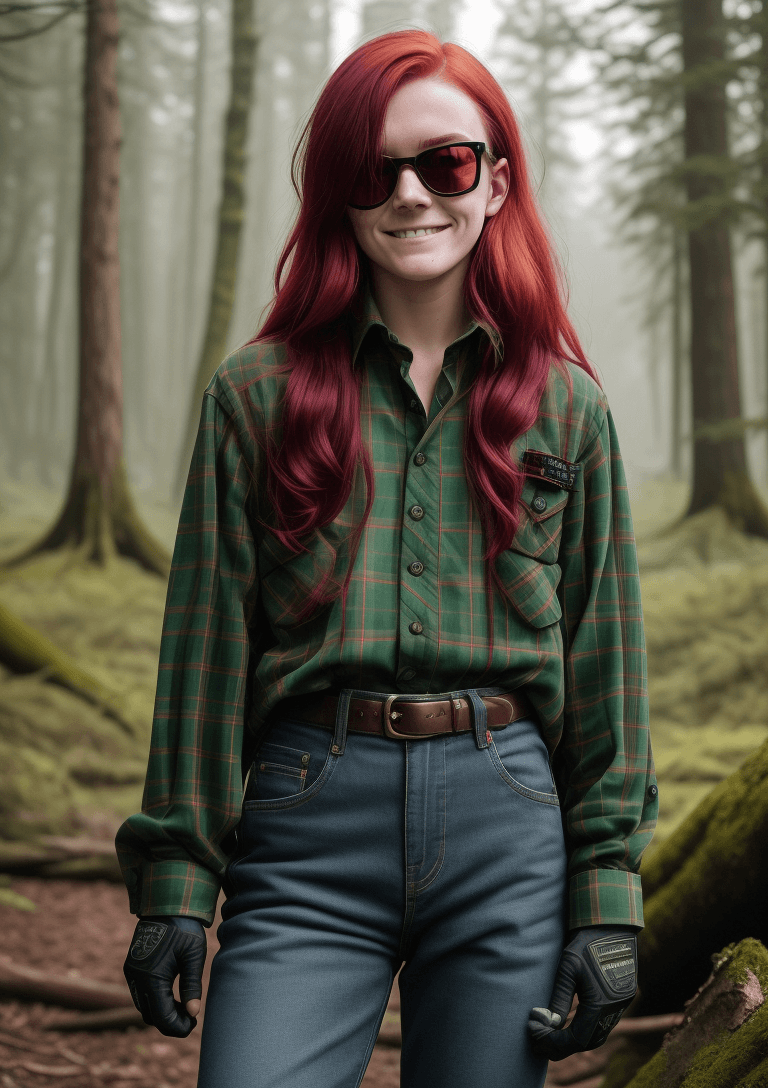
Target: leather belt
(406,717)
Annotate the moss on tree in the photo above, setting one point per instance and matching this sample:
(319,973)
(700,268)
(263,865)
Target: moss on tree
(705,887)
(24,650)
(735,1053)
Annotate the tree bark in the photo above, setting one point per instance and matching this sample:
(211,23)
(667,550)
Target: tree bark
(98,519)
(678,369)
(231,215)
(722,1039)
(720,475)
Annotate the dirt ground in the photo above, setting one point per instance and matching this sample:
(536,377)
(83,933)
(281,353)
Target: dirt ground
(84,929)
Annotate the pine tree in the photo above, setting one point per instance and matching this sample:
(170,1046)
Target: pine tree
(98,519)
(688,183)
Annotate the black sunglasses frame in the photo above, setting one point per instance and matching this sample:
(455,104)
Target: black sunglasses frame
(478,149)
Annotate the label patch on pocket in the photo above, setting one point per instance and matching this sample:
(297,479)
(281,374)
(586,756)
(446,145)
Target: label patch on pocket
(554,470)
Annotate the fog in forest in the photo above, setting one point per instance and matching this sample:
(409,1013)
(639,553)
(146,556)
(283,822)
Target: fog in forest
(173,79)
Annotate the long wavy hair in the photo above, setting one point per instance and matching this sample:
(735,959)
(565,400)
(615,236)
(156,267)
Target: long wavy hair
(512,288)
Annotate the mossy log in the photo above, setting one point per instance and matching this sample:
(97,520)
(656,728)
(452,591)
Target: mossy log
(63,858)
(705,887)
(24,650)
(723,1041)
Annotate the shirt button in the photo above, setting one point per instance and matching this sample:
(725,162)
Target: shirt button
(539,504)
(414,403)
(416,512)
(416,567)
(419,459)
(652,791)
(415,628)
(406,674)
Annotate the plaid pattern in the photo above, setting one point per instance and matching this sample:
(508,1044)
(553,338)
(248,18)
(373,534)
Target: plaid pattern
(568,628)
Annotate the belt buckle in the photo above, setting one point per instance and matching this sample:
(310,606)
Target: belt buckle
(390,732)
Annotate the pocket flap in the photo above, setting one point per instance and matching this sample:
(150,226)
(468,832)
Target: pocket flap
(530,586)
(541,521)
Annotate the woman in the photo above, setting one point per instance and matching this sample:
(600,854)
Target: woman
(404,600)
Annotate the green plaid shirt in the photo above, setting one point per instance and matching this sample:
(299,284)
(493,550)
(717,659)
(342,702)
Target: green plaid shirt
(568,629)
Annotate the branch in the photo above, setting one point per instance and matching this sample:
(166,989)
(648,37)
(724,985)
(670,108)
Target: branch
(727,429)
(71,992)
(69,6)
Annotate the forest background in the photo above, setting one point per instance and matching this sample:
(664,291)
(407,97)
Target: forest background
(646,124)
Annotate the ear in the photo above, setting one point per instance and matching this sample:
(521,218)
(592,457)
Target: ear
(500,179)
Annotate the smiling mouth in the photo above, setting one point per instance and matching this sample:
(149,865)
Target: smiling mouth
(421,232)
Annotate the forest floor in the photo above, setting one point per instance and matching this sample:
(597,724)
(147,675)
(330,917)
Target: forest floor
(705,607)
(83,929)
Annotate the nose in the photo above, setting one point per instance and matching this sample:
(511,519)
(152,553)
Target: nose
(409,192)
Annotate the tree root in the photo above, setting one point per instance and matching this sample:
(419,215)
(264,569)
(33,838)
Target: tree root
(93,528)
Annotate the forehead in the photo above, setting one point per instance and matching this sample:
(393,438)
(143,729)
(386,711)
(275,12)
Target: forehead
(427,109)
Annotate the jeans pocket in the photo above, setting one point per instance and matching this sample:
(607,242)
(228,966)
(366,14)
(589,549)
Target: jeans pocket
(520,756)
(291,765)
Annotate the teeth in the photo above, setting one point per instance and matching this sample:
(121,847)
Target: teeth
(415,233)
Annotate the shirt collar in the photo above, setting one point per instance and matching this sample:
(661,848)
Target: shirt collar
(365,314)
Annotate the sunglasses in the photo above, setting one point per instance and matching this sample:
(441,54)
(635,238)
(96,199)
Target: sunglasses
(445,171)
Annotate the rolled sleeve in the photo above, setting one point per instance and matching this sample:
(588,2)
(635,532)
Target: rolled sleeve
(604,765)
(172,853)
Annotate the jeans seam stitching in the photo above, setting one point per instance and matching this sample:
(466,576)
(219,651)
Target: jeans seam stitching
(518,787)
(299,798)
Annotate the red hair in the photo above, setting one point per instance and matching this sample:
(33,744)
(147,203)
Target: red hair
(511,288)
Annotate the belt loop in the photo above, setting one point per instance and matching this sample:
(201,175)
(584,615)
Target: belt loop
(479,718)
(342,716)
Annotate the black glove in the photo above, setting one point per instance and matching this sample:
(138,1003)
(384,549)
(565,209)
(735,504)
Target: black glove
(161,949)
(600,965)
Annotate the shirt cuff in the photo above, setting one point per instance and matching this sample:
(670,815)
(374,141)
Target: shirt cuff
(162,888)
(600,897)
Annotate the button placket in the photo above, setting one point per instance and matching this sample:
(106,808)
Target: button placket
(418,592)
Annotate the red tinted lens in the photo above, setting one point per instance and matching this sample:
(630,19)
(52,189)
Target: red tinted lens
(448,169)
(373,188)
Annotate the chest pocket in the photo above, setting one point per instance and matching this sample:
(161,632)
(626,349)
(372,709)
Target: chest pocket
(528,569)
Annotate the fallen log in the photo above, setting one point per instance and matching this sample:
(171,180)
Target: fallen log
(56,856)
(705,887)
(648,1025)
(723,1038)
(67,990)
(25,650)
(104,1020)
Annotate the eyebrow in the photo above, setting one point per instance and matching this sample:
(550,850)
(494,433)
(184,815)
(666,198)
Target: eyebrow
(437,141)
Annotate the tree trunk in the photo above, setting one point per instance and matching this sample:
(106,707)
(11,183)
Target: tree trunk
(678,371)
(762,57)
(98,518)
(231,215)
(720,476)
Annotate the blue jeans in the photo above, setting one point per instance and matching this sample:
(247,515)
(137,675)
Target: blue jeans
(443,855)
